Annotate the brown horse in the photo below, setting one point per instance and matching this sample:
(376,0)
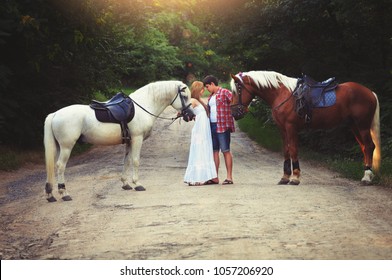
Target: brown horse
(354,103)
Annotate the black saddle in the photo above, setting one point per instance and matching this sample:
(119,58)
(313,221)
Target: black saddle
(325,85)
(119,109)
(311,94)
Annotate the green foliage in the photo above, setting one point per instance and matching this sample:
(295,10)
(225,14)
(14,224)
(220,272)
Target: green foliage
(58,53)
(153,58)
(56,57)
(9,161)
(12,157)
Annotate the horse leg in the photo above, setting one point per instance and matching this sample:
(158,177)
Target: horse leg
(365,141)
(287,162)
(293,151)
(64,155)
(136,148)
(127,165)
(369,149)
(49,193)
(132,153)
(286,172)
(296,173)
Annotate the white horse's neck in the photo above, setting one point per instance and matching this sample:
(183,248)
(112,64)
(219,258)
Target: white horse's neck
(156,97)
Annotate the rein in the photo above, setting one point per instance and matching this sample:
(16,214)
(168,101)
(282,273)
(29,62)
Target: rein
(281,104)
(288,98)
(145,110)
(184,107)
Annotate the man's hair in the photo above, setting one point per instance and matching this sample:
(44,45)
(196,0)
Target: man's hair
(210,79)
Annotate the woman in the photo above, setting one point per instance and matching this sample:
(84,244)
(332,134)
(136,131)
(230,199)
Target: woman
(201,168)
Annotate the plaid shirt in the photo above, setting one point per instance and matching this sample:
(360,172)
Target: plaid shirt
(225,120)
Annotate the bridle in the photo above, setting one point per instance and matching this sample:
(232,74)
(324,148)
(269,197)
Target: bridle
(184,110)
(239,110)
(186,114)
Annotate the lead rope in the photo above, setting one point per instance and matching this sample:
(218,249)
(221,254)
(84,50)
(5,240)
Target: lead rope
(171,119)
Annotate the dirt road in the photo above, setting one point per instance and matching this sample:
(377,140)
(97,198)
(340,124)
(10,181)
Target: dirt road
(325,217)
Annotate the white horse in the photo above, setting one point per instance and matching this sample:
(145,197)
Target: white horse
(78,123)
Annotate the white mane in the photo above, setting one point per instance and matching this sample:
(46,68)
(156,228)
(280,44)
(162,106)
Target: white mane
(159,89)
(268,79)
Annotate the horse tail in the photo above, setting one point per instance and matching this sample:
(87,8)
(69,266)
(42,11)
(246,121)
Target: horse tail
(50,149)
(375,133)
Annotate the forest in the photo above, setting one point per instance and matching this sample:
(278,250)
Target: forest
(59,52)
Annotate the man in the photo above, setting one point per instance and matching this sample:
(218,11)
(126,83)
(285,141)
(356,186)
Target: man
(222,125)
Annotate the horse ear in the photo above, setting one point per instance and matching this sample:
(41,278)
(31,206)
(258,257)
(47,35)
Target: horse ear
(235,78)
(182,88)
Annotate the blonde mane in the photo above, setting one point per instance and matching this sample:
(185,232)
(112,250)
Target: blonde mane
(268,79)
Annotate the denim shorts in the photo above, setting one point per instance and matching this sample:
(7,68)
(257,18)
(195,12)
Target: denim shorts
(220,141)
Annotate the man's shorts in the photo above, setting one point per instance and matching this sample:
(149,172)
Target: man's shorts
(220,141)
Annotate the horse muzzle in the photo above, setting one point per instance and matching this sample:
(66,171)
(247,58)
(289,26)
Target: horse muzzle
(187,114)
(238,111)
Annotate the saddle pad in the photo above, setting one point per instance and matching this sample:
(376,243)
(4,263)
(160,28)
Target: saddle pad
(326,100)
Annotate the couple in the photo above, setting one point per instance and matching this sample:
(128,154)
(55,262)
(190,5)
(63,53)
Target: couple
(210,134)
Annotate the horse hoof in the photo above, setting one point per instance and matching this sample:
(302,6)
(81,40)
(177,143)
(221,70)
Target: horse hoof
(294,182)
(67,198)
(51,199)
(140,189)
(283,181)
(127,187)
(366,183)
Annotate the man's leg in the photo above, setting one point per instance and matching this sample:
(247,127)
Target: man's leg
(224,141)
(229,165)
(217,161)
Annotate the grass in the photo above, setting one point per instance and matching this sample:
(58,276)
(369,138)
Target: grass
(267,135)
(12,158)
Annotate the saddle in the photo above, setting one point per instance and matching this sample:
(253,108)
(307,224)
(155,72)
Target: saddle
(311,94)
(119,109)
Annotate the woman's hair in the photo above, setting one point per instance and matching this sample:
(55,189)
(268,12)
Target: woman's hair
(196,87)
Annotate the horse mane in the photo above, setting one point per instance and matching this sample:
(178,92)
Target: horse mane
(159,89)
(268,79)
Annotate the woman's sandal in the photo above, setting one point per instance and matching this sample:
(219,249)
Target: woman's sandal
(227,182)
(211,182)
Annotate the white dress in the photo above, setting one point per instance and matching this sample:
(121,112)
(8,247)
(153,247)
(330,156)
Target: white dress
(201,166)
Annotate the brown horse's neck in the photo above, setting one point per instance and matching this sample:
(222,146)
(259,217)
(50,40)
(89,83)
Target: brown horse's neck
(274,96)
